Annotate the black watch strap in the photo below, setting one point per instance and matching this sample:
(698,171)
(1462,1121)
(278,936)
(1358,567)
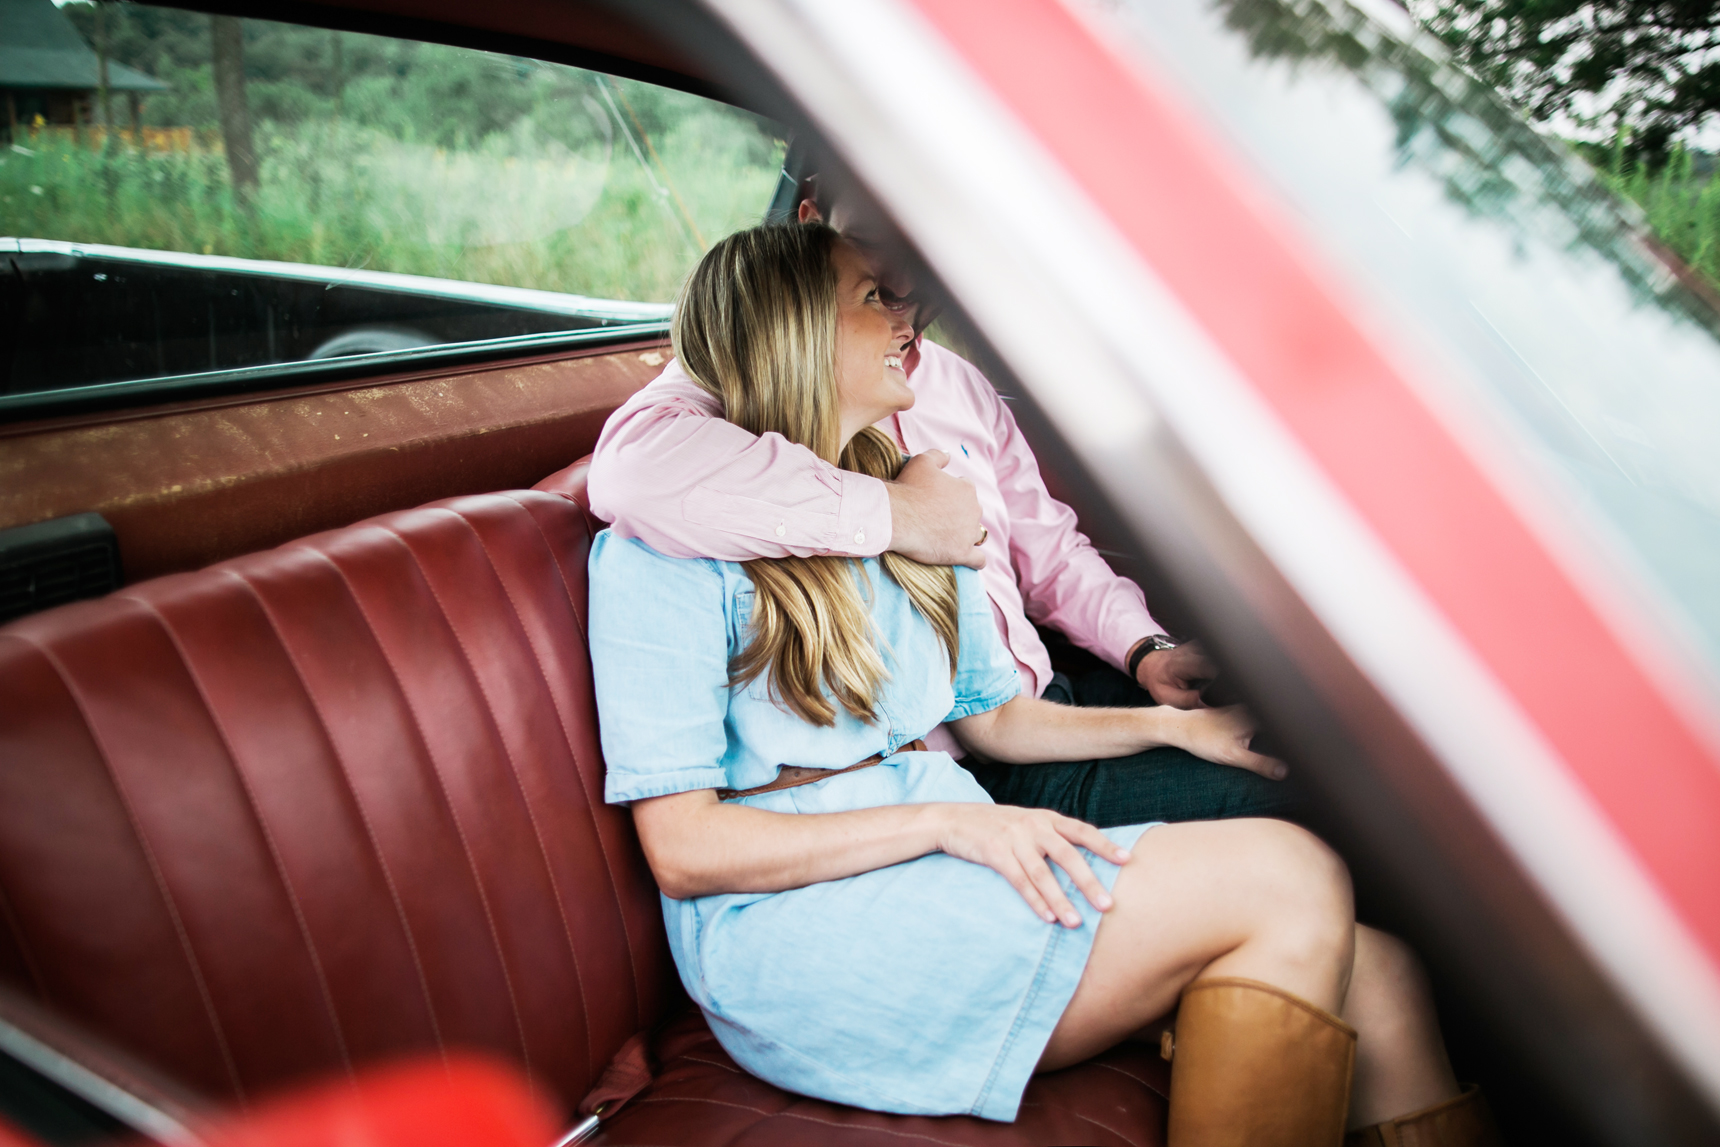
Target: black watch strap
(1155,642)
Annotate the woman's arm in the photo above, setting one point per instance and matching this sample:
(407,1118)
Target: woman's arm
(700,846)
(1027,729)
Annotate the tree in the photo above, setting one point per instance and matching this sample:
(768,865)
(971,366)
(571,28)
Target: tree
(227,43)
(1642,68)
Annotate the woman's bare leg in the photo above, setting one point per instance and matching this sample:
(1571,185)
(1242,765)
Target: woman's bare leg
(1259,899)
(1401,1065)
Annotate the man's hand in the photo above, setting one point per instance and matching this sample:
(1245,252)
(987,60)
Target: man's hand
(934,516)
(1222,737)
(1175,677)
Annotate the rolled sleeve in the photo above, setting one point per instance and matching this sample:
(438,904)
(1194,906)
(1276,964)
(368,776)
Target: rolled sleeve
(986,676)
(788,507)
(659,660)
(668,469)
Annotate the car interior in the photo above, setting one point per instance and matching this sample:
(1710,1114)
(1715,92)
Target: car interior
(320,787)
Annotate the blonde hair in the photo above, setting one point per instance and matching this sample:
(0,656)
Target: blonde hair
(756,326)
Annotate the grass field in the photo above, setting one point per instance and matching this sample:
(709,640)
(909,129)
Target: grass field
(1683,208)
(517,209)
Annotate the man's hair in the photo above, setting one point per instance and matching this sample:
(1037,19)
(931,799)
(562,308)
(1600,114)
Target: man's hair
(755,325)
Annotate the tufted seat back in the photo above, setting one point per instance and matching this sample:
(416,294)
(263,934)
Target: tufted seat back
(342,801)
(329,803)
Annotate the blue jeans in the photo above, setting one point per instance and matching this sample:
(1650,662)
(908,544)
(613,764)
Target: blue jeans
(1159,784)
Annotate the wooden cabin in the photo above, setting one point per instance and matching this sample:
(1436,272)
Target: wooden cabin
(50,76)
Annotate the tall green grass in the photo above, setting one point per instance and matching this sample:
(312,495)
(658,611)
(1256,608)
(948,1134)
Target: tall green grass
(517,209)
(1683,208)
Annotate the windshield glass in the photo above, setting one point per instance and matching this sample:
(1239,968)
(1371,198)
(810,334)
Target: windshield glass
(1553,314)
(185,193)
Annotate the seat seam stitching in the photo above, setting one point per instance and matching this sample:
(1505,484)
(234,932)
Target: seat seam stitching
(633,949)
(1131,1076)
(155,872)
(352,792)
(712,1063)
(17,932)
(703,1099)
(513,768)
(257,815)
(1089,1119)
(442,788)
(12,924)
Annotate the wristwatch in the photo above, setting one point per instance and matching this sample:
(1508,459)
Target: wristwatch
(1156,642)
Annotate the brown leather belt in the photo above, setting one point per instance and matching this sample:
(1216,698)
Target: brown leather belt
(793,776)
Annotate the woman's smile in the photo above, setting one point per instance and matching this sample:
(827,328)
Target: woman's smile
(871,376)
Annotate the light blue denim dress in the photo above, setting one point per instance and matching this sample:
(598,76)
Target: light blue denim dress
(927,987)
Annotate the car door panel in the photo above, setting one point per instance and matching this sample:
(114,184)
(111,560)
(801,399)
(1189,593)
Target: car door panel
(195,483)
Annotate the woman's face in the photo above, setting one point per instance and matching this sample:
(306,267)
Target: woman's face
(870,381)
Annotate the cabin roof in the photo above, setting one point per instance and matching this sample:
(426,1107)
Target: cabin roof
(40,48)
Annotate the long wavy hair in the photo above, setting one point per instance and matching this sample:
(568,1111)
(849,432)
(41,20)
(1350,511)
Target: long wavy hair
(756,326)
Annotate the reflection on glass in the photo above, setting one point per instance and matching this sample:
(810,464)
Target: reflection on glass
(1547,303)
(342,159)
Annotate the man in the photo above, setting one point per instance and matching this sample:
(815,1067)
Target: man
(671,472)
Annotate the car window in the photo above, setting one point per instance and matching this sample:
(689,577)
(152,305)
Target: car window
(186,196)
(1555,318)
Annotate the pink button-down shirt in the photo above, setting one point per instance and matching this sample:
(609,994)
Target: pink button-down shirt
(670,471)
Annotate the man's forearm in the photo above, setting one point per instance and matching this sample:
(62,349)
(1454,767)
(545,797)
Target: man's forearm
(689,484)
(1028,730)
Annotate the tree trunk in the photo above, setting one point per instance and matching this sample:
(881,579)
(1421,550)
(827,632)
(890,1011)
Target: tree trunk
(338,67)
(102,70)
(228,43)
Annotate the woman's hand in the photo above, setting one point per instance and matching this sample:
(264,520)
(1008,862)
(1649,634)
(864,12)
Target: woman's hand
(1221,736)
(1017,842)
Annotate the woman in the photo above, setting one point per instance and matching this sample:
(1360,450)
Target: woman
(855,917)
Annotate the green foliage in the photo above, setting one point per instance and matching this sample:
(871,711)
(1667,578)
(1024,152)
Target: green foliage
(518,209)
(1683,208)
(452,97)
(1641,66)
(401,156)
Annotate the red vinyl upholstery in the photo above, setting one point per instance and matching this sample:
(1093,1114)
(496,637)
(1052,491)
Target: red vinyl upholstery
(570,483)
(341,801)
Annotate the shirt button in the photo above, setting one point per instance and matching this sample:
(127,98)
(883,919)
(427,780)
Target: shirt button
(860,537)
(781,530)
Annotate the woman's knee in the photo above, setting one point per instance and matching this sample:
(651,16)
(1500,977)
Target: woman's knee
(1304,912)
(1281,885)
(1301,874)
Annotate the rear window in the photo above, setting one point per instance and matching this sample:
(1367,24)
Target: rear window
(185,195)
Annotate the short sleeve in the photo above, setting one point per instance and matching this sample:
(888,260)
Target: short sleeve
(985,670)
(659,661)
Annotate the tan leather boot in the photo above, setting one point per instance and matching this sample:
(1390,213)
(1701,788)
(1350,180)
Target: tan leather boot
(1254,1066)
(1461,1122)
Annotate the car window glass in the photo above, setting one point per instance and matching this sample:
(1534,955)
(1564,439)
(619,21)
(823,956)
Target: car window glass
(242,194)
(1555,315)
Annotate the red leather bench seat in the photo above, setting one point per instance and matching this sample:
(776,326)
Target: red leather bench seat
(342,801)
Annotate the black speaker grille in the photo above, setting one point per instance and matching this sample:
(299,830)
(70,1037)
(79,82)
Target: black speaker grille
(52,563)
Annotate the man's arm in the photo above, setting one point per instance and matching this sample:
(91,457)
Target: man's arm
(1065,582)
(669,470)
